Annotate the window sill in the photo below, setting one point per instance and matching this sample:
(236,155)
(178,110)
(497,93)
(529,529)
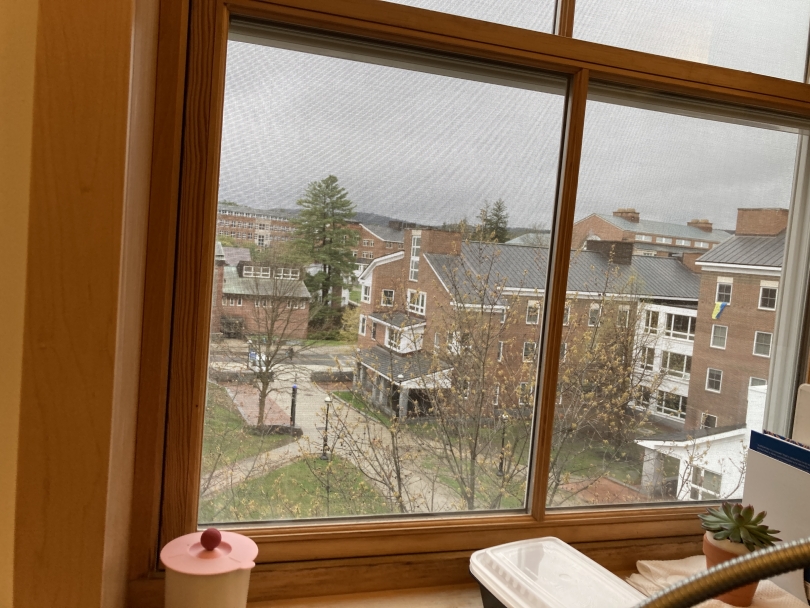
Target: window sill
(456,596)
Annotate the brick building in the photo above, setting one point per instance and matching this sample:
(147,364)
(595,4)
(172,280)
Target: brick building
(259,226)
(375,241)
(250,299)
(649,237)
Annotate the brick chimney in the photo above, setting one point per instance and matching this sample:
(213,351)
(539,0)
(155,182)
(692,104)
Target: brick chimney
(689,259)
(704,225)
(761,222)
(618,252)
(627,213)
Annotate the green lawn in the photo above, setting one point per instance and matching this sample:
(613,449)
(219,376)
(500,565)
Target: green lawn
(297,491)
(357,402)
(354,295)
(225,437)
(591,459)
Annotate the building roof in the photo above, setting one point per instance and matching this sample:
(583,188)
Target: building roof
(531,239)
(385,233)
(397,319)
(279,214)
(234,255)
(679,231)
(748,251)
(521,267)
(391,364)
(270,288)
(691,435)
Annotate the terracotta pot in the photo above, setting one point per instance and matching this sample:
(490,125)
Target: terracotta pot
(742,596)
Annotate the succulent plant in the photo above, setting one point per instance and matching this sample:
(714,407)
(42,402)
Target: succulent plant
(739,525)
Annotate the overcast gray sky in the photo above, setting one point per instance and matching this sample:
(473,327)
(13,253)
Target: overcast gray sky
(431,148)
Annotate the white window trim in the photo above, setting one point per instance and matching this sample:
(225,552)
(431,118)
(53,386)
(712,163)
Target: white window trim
(421,298)
(644,238)
(770,344)
(528,310)
(712,390)
(759,302)
(534,351)
(362,328)
(598,316)
(382,297)
(751,384)
(725,341)
(365,298)
(500,350)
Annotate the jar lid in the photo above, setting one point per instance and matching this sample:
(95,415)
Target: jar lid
(210,552)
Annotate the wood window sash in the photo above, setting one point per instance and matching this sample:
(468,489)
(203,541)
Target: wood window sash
(192,123)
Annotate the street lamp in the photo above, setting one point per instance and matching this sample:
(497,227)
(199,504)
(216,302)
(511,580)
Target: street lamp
(292,405)
(504,420)
(324,455)
(400,380)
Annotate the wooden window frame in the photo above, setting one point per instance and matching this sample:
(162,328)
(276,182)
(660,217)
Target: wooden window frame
(189,96)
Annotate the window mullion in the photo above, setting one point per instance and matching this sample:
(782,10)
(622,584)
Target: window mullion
(556,282)
(564,18)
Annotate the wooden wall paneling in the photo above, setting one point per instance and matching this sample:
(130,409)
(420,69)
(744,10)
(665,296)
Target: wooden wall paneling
(159,285)
(570,154)
(90,164)
(193,283)
(564,18)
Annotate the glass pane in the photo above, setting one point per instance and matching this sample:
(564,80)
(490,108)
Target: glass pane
(636,397)
(750,35)
(382,377)
(537,15)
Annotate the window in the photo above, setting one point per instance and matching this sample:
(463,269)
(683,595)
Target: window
(503,315)
(701,244)
(650,321)
(664,240)
(683,242)
(416,247)
(644,237)
(648,358)
(757,382)
(436,340)
(594,312)
(705,484)
(671,405)
(287,273)
(533,312)
(387,297)
(362,329)
(714,380)
(623,319)
(496,394)
(762,344)
(239,301)
(416,301)
(563,351)
(680,327)
(365,294)
(675,364)
(373,330)
(368,243)
(389,245)
(368,255)
(719,333)
(529,351)
(525,393)
(500,351)
(767,298)
(392,338)
(723,293)
(708,421)
(566,314)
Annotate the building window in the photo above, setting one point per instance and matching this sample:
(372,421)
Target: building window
(676,364)
(503,315)
(767,298)
(683,242)
(664,240)
(247,271)
(650,321)
(714,380)
(239,301)
(368,243)
(648,358)
(757,381)
(594,313)
(680,327)
(392,338)
(287,273)
(354,253)
(623,319)
(671,404)
(416,247)
(708,421)
(416,301)
(723,293)
(719,334)
(762,344)
(533,312)
(563,351)
(387,297)
(525,393)
(701,244)
(500,351)
(644,237)
(436,340)
(365,295)
(373,330)
(566,314)
(362,330)
(705,484)
(389,245)
(368,255)
(496,394)
(529,350)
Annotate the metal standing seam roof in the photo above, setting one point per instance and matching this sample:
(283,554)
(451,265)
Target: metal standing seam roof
(680,231)
(391,364)
(386,233)
(397,319)
(748,251)
(234,255)
(275,288)
(521,267)
(691,435)
(284,214)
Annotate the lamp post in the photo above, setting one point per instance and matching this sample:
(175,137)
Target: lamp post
(324,455)
(504,420)
(292,405)
(400,380)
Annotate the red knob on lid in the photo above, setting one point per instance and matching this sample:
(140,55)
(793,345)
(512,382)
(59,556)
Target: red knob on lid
(210,539)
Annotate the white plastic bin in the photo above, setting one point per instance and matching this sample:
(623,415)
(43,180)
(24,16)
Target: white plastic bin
(547,573)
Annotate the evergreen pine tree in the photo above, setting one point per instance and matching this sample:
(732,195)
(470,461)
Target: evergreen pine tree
(497,221)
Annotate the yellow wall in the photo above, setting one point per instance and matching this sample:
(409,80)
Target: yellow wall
(17,47)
